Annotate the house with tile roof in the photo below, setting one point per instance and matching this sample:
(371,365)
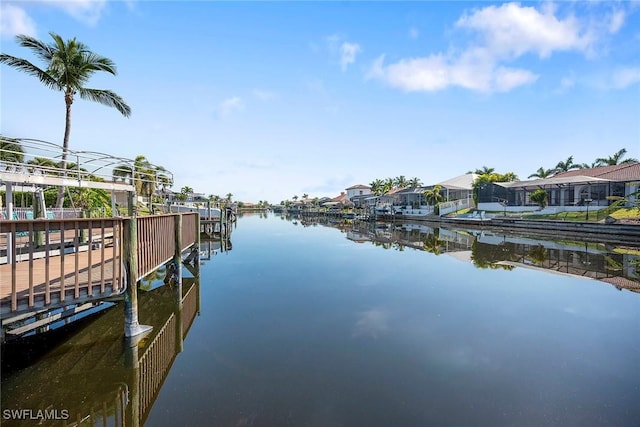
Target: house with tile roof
(575,190)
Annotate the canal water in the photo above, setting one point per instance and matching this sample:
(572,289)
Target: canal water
(301,322)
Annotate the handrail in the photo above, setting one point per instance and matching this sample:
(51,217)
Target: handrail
(49,263)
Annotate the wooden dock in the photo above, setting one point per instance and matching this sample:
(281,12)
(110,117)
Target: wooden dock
(49,264)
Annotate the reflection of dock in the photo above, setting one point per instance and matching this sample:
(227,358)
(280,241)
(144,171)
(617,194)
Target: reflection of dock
(96,376)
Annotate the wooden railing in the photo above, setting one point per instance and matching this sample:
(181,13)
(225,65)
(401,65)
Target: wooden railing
(54,262)
(155,364)
(156,239)
(189,308)
(51,263)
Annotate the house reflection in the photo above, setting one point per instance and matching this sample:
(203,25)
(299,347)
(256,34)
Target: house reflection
(618,265)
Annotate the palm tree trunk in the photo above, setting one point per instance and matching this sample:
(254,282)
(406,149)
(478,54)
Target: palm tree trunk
(68,99)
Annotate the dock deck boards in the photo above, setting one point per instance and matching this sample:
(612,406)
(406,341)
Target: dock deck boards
(73,273)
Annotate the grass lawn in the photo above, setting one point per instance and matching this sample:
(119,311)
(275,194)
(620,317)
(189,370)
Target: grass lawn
(594,216)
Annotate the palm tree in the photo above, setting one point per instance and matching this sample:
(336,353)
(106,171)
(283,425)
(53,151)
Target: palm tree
(414,182)
(229,196)
(615,159)
(433,196)
(389,184)
(400,181)
(69,65)
(567,165)
(587,166)
(186,190)
(377,186)
(542,173)
(484,171)
(215,199)
(11,150)
(509,177)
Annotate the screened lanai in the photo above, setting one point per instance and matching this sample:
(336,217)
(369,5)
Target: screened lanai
(31,166)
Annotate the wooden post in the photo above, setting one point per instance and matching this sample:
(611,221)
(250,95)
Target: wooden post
(177,263)
(10,236)
(37,214)
(130,248)
(177,253)
(132,363)
(131,196)
(196,261)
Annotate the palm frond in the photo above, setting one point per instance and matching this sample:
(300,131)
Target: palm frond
(39,48)
(31,69)
(105,97)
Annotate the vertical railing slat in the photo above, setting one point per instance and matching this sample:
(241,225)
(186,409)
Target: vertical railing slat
(47,263)
(76,255)
(31,250)
(62,245)
(14,291)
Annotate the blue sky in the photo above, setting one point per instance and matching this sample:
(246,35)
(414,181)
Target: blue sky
(267,100)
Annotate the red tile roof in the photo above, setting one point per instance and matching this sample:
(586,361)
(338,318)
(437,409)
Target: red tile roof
(623,172)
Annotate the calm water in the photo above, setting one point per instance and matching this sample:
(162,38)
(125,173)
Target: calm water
(302,324)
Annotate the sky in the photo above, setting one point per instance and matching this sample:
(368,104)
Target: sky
(270,100)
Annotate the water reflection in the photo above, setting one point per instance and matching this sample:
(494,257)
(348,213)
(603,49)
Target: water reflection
(95,376)
(615,264)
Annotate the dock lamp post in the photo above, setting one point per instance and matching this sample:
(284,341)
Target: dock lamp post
(588,201)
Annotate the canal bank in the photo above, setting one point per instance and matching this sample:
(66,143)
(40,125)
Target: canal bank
(614,232)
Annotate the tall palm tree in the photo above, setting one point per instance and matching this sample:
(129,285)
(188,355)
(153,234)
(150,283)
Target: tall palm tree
(11,150)
(615,159)
(567,165)
(542,173)
(229,196)
(69,65)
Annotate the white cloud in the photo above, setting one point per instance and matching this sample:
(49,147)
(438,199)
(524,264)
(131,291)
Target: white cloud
(437,72)
(86,11)
(502,35)
(14,20)
(348,52)
(511,30)
(506,79)
(345,51)
(626,77)
(616,21)
(230,106)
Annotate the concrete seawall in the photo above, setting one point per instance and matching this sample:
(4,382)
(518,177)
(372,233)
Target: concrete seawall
(616,232)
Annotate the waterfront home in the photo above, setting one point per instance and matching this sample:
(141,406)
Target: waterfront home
(357,194)
(575,190)
(457,193)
